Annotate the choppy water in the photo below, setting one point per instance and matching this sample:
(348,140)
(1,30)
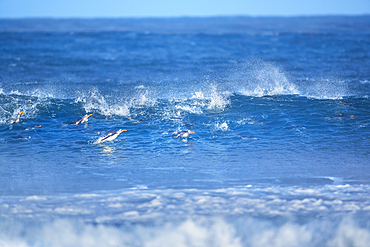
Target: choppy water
(279,107)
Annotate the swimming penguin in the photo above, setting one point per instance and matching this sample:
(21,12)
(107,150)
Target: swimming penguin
(31,128)
(16,120)
(183,134)
(81,120)
(110,136)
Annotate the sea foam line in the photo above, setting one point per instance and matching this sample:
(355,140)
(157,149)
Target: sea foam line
(265,201)
(200,231)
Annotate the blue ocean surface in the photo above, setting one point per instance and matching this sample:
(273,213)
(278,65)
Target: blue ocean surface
(279,107)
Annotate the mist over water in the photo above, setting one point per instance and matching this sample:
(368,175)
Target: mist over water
(279,108)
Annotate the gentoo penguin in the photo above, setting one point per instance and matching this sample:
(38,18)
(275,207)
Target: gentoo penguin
(16,120)
(110,136)
(184,134)
(81,120)
(31,128)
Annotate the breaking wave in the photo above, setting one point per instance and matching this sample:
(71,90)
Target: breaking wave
(247,216)
(321,88)
(255,77)
(201,231)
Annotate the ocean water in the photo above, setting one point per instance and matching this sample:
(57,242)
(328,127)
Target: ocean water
(280,154)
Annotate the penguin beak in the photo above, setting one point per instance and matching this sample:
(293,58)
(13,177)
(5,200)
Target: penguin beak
(191,132)
(122,130)
(89,115)
(21,112)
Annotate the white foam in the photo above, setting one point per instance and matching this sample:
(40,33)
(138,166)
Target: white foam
(40,93)
(250,121)
(93,101)
(114,103)
(199,231)
(35,198)
(258,78)
(198,95)
(189,108)
(221,126)
(16,92)
(218,100)
(30,104)
(211,97)
(75,233)
(142,98)
(150,204)
(322,88)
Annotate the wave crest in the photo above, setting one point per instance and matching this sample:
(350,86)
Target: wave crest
(112,104)
(213,97)
(202,231)
(322,88)
(259,78)
(93,101)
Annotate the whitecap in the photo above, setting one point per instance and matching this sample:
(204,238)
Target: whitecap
(217,100)
(198,95)
(188,108)
(221,126)
(258,78)
(197,231)
(93,101)
(325,88)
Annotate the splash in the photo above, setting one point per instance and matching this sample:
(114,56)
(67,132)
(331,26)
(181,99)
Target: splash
(32,101)
(188,108)
(114,103)
(208,97)
(14,102)
(48,91)
(143,98)
(198,95)
(221,126)
(42,94)
(3,114)
(93,101)
(217,99)
(212,97)
(259,78)
(321,88)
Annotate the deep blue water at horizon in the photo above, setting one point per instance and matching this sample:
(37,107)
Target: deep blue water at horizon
(280,113)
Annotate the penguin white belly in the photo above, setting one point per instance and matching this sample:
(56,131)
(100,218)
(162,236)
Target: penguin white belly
(110,138)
